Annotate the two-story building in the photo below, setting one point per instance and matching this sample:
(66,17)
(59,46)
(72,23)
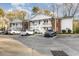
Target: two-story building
(40,23)
(15,24)
(18,24)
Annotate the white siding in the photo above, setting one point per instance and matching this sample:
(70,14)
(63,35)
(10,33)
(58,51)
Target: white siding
(67,23)
(40,26)
(16,24)
(44,24)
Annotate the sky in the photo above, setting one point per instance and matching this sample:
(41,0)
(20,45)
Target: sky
(26,6)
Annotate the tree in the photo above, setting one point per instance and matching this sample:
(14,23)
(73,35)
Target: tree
(16,14)
(36,9)
(11,15)
(65,9)
(47,12)
(1,12)
(2,21)
(55,8)
(21,15)
(70,9)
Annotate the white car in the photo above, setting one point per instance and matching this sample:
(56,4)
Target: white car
(37,31)
(1,32)
(27,32)
(14,32)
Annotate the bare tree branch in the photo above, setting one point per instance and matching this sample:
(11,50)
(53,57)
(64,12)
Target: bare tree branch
(75,10)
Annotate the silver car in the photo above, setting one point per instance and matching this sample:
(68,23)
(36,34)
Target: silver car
(49,33)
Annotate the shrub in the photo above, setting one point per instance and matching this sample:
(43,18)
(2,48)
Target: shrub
(69,31)
(77,30)
(63,31)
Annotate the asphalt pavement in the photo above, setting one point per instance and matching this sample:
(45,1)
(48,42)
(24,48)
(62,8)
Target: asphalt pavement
(44,45)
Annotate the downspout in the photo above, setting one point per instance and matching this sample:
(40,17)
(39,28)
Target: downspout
(55,24)
(73,26)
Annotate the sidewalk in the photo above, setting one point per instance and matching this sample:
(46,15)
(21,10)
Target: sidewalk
(68,35)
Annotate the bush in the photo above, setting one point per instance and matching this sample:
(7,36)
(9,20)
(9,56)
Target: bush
(63,31)
(77,30)
(69,31)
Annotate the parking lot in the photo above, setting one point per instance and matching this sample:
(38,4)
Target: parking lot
(44,45)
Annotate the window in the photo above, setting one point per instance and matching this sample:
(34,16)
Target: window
(39,21)
(33,22)
(45,28)
(50,30)
(13,24)
(45,21)
(16,24)
(10,24)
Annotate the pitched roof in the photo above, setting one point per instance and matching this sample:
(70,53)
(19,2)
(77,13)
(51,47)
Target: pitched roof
(16,21)
(40,17)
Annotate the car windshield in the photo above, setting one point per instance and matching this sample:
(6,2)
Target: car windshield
(22,31)
(15,30)
(29,30)
(50,30)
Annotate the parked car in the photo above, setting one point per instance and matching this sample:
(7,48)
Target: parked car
(14,32)
(6,32)
(49,33)
(27,32)
(37,31)
(1,32)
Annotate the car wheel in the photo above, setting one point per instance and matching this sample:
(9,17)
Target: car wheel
(21,35)
(26,34)
(44,35)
